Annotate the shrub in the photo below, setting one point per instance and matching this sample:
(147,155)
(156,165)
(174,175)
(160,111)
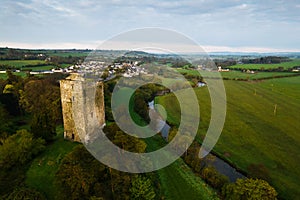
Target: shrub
(214,178)
(255,189)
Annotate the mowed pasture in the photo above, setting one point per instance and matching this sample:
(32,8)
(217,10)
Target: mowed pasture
(261,127)
(285,65)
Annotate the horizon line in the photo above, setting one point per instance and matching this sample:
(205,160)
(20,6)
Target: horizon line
(93,46)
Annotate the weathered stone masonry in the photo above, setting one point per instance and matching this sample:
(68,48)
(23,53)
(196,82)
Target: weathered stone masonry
(83,103)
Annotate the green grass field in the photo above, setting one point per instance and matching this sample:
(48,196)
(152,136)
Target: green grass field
(253,134)
(233,74)
(66,54)
(40,68)
(42,171)
(4,75)
(65,65)
(189,71)
(285,65)
(259,75)
(39,64)
(21,63)
(178,180)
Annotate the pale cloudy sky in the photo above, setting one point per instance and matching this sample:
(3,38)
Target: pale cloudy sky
(214,24)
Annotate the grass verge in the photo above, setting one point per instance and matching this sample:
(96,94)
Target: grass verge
(42,171)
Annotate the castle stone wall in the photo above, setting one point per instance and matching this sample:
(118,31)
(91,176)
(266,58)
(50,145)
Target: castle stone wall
(83,104)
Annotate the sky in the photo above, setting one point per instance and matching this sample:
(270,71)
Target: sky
(215,25)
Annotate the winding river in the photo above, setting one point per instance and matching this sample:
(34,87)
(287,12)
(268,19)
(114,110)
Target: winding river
(220,165)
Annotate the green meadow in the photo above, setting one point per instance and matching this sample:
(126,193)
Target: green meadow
(34,65)
(40,68)
(21,63)
(261,127)
(41,173)
(235,74)
(178,181)
(4,75)
(256,76)
(66,54)
(285,65)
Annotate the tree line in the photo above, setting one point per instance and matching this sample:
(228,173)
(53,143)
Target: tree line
(34,104)
(266,60)
(81,176)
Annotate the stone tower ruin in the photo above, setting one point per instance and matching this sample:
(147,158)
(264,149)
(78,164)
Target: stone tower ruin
(82,102)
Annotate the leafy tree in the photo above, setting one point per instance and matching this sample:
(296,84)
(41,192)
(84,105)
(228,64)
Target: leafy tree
(108,89)
(43,126)
(172,133)
(129,143)
(214,178)
(2,85)
(41,98)
(9,96)
(80,174)
(123,140)
(9,88)
(142,188)
(254,189)
(142,96)
(5,123)
(96,198)
(16,81)
(140,104)
(19,148)
(13,79)
(25,194)
(10,102)
(15,152)
(10,179)
(120,184)
(192,158)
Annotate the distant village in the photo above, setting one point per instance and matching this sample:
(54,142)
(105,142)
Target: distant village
(101,69)
(108,71)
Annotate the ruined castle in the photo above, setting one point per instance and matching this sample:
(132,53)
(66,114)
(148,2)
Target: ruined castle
(82,104)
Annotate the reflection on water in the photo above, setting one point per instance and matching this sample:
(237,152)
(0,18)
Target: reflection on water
(222,167)
(162,126)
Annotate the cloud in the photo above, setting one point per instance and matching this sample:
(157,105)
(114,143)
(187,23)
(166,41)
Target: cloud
(272,24)
(52,45)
